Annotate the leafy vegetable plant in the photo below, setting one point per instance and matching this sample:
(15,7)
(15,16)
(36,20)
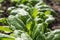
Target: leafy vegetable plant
(29,20)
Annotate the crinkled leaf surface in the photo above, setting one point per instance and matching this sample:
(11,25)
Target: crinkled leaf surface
(29,21)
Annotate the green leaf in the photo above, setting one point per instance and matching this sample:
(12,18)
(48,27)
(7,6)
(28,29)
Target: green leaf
(15,0)
(35,13)
(1,1)
(21,35)
(23,1)
(50,19)
(54,35)
(5,29)
(12,21)
(1,11)
(7,39)
(19,11)
(28,25)
(3,20)
(48,13)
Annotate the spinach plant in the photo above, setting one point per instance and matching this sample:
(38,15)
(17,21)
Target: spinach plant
(29,20)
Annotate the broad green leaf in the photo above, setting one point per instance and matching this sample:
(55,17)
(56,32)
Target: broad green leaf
(28,25)
(38,35)
(50,19)
(48,13)
(5,29)
(15,0)
(6,37)
(12,21)
(19,11)
(23,1)
(54,35)
(21,35)
(1,1)
(3,21)
(35,13)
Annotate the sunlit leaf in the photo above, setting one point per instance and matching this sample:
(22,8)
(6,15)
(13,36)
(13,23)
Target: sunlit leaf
(35,12)
(5,29)
(1,1)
